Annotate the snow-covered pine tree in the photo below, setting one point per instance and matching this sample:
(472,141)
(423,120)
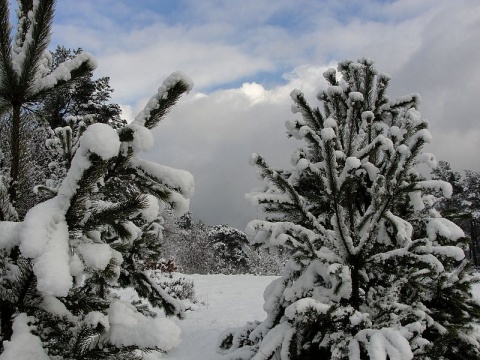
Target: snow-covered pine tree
(231,250)
(77,247)
(25,68)
(376,272)
(60,266)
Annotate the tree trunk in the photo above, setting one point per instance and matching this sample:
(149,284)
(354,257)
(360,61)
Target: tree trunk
(473,234)
(15,153)
(355,299)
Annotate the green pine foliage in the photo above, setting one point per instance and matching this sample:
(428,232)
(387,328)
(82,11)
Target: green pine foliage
(376,272)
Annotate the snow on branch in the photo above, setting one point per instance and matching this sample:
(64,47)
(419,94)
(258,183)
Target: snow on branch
(445,228)
(64,72)
(439,185)
(167,94)
(280,233)
(9,231)
(381,344)
(23,344)
(180,182)
(44,235)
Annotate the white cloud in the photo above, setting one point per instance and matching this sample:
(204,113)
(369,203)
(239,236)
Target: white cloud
(213,136)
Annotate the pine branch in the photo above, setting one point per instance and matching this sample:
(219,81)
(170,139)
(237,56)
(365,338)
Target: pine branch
(7,74)
(147,289)
(85,187)
(313,118)
(116,213)
(40,38)
(165,104)
(76,73)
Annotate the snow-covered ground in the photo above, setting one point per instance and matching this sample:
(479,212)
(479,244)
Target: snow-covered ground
(228,301)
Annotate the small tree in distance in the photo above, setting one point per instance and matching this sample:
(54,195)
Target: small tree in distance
(376,272)
(231,250)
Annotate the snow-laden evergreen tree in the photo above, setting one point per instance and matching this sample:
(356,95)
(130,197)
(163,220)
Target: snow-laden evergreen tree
(65,260)
(376,272)
(25,71)
(231,250)
(101,226)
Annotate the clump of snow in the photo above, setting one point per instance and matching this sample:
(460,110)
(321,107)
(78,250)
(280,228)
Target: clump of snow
(330,122)
(428,159)
(352,163)
(371,169)
(96,256)
(129,327)
(398,133)
(94,318)
(76,266)
(54,306)
(328,134)
(403,227)
(445,228)
(367,115)
(102,140)
(142,137)
(295,94)
(10,237)
(355,96)
(416,200)
(151,212)
(329,73)
(334,91)
(302,164)
(23,344)
(414,117)
(44,238)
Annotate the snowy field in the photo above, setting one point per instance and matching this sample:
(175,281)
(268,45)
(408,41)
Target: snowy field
(228,301)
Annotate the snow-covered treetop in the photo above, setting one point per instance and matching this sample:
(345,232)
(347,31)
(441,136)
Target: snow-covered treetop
(27,64)
(361,145)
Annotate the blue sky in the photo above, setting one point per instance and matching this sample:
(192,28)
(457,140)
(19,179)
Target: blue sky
(245,57)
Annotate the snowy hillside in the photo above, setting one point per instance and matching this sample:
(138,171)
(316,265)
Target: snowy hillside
(228,301)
